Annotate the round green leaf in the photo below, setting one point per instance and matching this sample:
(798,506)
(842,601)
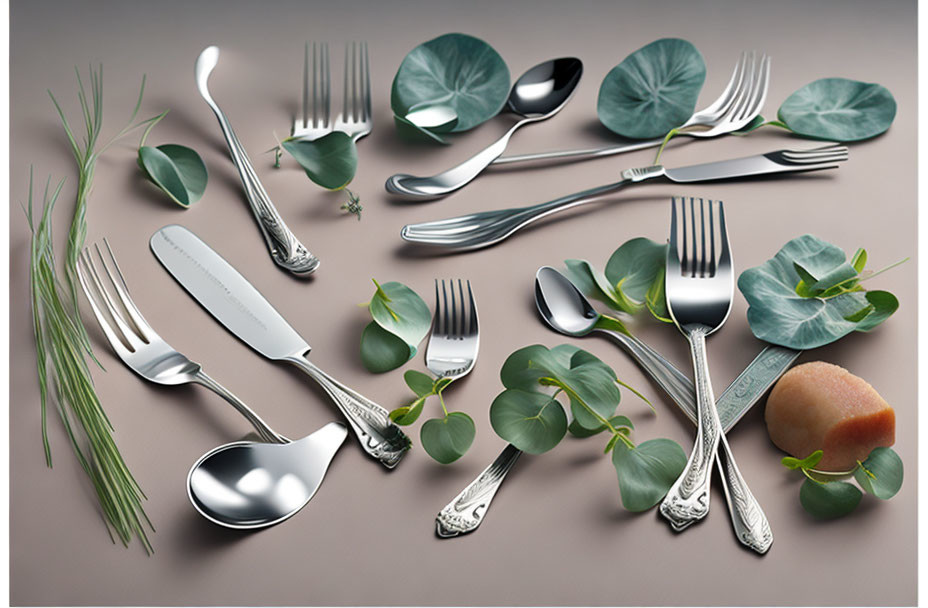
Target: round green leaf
(406,415)
(454,70)
(177,170)
(330,161)
(838,109)
(381,351)
(779,315)
(533,422)
(447,439)
(829,500)
(421,384)
(617,421)
(653,90)
(399,310)
(634,268)
(647,471)
(884,305)
(593,284)
(524,367)
(410,130)
(881,473)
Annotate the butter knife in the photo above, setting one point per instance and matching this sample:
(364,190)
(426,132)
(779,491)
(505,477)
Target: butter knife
(241,308)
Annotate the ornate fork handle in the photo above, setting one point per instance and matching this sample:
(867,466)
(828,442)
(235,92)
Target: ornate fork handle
(466,511)
(285,248)
(688,498)
(371,423)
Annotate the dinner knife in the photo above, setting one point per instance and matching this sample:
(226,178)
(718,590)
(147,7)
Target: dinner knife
(241,308)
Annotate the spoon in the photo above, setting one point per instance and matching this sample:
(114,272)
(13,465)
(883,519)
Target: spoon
(438,118)
(538,94)
(248,485)
(285,249)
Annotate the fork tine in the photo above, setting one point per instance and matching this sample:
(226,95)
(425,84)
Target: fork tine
(354,82)
(326,85)
(473,328)
(673,254)
(453,331)
(446,326)
(760,98)
(315,92)
(702,223)
(345,92)
(115,341)
(367,84)
(129,336)
(725,256)
(712,267)
(305,82)
(145,329)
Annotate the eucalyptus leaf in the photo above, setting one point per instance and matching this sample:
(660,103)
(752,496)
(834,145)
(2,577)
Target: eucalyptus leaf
(647,471)
(330,161)
(421,384)
(838,109)
(653,90)
(447,439)
(408,414)
(593,283)
(410,130)
(881,473)
(177,170)
(533,422)
(779,315)
(616,421)
(808,462)
(523,368)
(829,500)
(399,310)
(634,268)
(455,70)
(382,351)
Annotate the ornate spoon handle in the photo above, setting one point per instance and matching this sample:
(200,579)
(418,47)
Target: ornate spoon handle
(466,511)
(371,423)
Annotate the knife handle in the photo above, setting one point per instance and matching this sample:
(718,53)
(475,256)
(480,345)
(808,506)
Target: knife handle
(371,423)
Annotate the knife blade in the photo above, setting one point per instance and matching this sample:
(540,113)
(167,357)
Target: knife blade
(240,307)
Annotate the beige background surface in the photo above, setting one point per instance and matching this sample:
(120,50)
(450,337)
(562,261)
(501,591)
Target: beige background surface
(557,533)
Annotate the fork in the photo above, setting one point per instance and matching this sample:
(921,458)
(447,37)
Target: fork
(739,104)
(138,345)
(356,118)
(455,339)
(699,287)
(320,122)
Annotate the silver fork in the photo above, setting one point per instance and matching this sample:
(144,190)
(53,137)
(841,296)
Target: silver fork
(356,118)
(310,127)
(138,345)
(699,286)
(739,104)
(455,339)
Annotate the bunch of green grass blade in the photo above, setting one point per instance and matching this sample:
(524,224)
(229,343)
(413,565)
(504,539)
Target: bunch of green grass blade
(61,340)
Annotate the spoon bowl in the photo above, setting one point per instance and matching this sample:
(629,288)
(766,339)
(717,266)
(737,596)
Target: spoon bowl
(561,304)
(248,485)
(538,94)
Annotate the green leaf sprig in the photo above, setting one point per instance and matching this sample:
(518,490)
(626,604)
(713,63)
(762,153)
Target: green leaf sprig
(400,320)
(61,351)
(824,496)
(529,415)
(445,439)
(633,279)
(330,161)
(809,295)
(177,170)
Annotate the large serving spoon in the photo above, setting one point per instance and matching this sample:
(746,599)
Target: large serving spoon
(538,94)
(247,485)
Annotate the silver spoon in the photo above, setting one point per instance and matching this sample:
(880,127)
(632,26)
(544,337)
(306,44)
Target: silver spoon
(248,485)
(538,94)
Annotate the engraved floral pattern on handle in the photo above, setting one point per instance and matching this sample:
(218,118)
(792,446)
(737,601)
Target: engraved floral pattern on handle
(466,511)
(748,518)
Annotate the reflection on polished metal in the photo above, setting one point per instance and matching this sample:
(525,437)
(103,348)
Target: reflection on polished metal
(248,485)
(699,284)
(241,308)
(739,104)
(477,230)
(439,118)
(284,247)
(455,338)
(567,311)
(538,94)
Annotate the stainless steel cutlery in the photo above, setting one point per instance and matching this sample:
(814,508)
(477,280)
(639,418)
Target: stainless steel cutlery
(739,104)
(477,230)
(699,285)
(285,249)
(241,308)
(455,338)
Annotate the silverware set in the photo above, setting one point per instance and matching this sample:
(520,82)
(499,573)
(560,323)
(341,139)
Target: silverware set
(699,283)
